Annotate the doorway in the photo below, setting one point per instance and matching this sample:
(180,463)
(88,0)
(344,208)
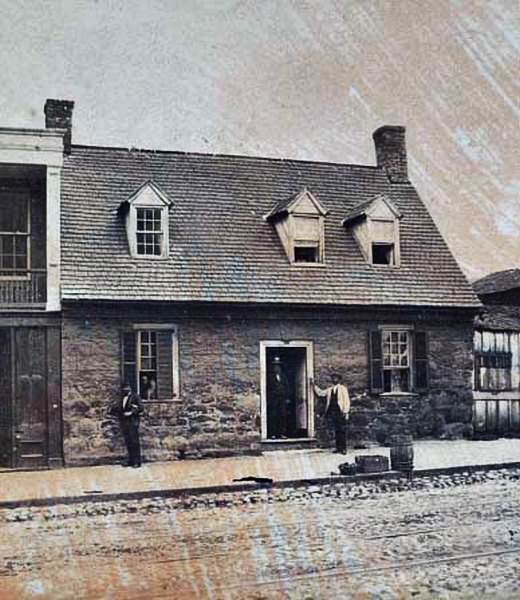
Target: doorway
(287,406)
(30,420)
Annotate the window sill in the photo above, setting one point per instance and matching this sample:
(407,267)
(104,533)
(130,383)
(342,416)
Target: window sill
(399,394)
(308,265)
(149,257)
(377,266)
(496,395)
(175,400)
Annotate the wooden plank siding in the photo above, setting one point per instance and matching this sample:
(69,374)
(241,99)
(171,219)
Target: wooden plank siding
(496,408)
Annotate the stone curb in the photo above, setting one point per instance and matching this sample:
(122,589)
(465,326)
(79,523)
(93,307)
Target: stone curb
(248,487)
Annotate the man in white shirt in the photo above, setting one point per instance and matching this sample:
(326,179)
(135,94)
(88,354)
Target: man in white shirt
(336,410)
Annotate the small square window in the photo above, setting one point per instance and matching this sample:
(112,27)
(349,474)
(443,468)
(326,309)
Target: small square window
(383,254)
(305,254)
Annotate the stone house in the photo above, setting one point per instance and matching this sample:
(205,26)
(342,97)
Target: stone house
(497,355)
(190,274)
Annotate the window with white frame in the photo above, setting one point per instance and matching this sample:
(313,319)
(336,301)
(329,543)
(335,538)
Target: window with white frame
(15,234)
(150,361)
(493,361)
(146,219)
(396,361)
(149,232)
(398,358)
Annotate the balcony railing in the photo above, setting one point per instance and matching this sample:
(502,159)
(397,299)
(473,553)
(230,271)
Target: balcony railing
(27,289)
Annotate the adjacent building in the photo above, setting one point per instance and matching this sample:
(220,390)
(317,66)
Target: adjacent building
(497,355)
(190,275)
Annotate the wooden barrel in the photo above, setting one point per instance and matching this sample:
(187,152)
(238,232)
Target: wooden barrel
(401,453)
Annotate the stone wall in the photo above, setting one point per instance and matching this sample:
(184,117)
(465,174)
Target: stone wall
(218,411)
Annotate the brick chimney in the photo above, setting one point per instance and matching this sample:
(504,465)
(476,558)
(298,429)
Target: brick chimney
(58,115)
(391,152)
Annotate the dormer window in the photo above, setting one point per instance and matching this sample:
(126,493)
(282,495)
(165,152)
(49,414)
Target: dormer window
(299,222)
(146,217)
(149,231)
(375,225)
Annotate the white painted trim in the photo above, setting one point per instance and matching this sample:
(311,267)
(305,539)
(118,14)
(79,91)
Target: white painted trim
(309,356)
(32,146)
(53,228)
(503,395)
(131,232)
(155,326)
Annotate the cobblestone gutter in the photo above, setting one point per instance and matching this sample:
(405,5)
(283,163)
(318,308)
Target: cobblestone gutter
(357,490)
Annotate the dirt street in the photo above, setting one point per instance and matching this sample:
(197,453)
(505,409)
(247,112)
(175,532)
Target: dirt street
(447,540)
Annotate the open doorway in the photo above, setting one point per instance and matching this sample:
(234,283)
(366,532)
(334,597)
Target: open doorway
(286,394)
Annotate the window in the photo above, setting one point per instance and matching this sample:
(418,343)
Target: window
(149,232)
(382,254)
(146,219)
(493,361)
(307,236)
(398,360)
(383,234)
(375,225)
(14,234)
(299,222)
(150,361)
(305,254)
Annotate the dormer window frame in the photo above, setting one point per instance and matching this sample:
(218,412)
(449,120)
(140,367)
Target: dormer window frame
(395,261)
(289,224)
(363,220)
(149,197)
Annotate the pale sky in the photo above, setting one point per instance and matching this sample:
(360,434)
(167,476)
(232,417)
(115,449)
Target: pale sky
(307,79)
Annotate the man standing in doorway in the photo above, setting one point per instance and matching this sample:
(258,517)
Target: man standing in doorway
(278,400)
(336,410)
(129,409)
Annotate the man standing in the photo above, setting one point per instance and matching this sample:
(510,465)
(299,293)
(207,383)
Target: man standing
(278,400)
(336,410)
(129,409)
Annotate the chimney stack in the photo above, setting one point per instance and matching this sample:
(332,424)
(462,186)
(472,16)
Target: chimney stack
(391,152)
(58,115)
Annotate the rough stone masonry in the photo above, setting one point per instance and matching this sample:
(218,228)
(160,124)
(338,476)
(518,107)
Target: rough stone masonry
(218,409)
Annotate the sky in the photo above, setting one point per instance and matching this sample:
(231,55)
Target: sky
(304,79)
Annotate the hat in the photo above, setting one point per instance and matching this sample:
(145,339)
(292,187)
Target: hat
(277,360)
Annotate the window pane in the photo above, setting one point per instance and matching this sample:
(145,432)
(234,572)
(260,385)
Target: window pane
(20,262)
(148,365)
(305,254)
(20,244)
(13,213)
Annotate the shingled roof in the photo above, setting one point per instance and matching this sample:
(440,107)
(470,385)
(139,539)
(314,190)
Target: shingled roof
(222,249)
(500,281)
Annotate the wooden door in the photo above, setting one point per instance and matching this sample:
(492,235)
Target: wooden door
(6,398)
(301,393)
(30,422)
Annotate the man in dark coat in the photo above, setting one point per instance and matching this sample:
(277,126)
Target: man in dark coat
(128,409)
(278,399)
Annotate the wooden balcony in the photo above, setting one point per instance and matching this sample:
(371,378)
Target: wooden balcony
(28,291)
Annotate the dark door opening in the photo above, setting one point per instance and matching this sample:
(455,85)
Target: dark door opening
(286,386)
(30,420)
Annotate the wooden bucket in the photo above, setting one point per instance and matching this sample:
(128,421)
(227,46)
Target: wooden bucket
(401,453)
